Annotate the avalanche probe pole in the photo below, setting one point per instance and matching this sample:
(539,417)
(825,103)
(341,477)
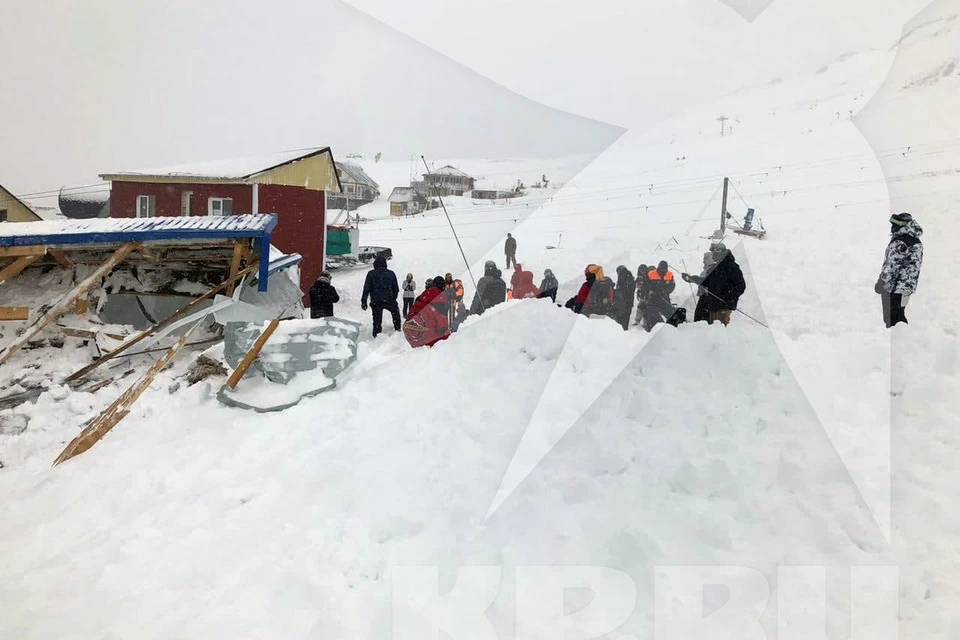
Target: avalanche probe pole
(459,246)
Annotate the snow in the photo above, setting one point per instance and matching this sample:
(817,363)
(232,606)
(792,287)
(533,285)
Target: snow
(229,169)
(91,227)
(810,436)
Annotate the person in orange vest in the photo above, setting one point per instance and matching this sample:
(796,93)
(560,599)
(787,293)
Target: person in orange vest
(660,284)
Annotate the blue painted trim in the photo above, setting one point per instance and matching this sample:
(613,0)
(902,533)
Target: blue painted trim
(264,262)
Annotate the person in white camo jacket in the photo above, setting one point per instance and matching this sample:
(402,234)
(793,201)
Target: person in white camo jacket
(901,268)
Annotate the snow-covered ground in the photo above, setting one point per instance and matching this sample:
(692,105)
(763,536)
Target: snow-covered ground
(808,435)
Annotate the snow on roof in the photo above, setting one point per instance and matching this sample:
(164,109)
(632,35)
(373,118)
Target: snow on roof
(229,169)
(67,231)
(45,211)
(402,194)
(448,171)
(355,173)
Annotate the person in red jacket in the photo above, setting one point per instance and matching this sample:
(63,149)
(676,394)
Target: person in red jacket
(524,287)
(427,323)
(596,294)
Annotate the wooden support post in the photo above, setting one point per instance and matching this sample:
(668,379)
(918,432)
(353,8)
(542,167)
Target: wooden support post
(62,259)
(57,309)
(252,354)
(173,317)
(13,270)
(117,411)
(14,313)
(234,266)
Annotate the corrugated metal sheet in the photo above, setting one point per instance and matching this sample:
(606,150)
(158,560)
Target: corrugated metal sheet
(316,173)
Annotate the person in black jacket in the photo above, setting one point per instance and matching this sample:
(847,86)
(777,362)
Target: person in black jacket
(721,288)
(322,297)
(623,297)
(491,289)
(382,289)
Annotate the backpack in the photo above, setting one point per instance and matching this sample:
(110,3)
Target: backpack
(678,318)
(601,297)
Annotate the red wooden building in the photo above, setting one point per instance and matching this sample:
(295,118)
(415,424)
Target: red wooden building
(291,184)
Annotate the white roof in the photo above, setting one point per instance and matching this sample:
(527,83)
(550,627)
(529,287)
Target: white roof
(229,169)
(94,227)
(448,171)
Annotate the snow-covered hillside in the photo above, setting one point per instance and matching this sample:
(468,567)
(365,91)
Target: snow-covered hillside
(803,435)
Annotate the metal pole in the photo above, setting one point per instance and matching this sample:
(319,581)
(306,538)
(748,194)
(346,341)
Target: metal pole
(459,246)
(723,206)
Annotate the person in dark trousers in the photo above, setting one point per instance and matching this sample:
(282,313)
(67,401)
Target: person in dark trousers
(409,293)
(657,305)
(510,249)
(549,285)
(641,285)
(322,297)
(623,297)
(382,289)
(453,289)
(901,268)
(721,288)
(491,289)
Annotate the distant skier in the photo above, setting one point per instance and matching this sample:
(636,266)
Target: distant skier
(428,322)
(491,289)
(657,305)
(409,293)
(323,296)
(382,289)
(549,285)
(510,249)
(596,294)
(623,297)
(722,288)
(901,268)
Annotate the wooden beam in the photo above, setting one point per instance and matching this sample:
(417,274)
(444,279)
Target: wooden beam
(234,267)
(117,411)
(33,250)
(62,259)
(88,334)
(173,317)
(13,270)
(252,354)
(81,305)
(14,313)
(51,312)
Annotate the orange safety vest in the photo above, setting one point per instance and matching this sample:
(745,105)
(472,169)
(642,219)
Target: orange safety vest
(655,275)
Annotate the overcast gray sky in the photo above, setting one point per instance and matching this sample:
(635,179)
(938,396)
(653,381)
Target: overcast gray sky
(109,85)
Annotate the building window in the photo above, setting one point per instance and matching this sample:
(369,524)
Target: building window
(146,206)
(219,206)
(3,215)
(186,203)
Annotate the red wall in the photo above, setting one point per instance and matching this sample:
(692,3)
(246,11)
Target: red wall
(300,213)
(123,197)
(300,227)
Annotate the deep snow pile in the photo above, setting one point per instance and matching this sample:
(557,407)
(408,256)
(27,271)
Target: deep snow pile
(823,440)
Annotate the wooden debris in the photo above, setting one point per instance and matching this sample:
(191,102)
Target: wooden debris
(89,334)
(13,269)
(173,317)
(102,424)
(14,313)
(60,307)
(252,354)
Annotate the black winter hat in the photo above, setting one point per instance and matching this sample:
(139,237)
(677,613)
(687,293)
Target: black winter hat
(901,219)
(439,282)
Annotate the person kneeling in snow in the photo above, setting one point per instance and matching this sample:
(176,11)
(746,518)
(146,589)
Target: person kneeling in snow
(523,286)
(901,268)
(596,293)
(491,289)
(428,323)
(549,285)
(323,295)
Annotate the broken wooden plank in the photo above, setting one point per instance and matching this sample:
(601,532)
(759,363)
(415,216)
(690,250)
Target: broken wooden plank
(14,313)
(62,259)
(13,270)
(32,250)
(81,305)
(57,309)
(120,408)
(179,313)
(234,267)
(89,334)
(252,354)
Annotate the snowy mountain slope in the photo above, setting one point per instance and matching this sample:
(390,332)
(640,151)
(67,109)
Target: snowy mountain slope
(750,446)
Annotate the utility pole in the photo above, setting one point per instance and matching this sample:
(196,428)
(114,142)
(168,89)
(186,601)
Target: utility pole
(723,207)
(723,123)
